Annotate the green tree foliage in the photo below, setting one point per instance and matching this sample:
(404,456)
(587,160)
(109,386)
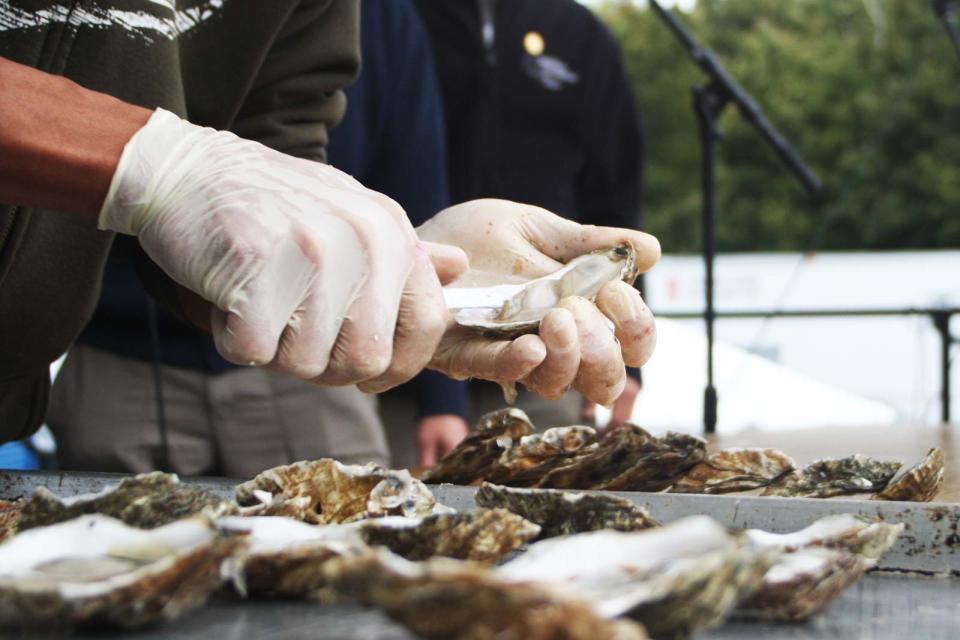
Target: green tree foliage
(867,90)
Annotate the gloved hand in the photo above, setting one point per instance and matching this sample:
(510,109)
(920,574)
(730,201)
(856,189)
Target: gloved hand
(307,270)
(575,346)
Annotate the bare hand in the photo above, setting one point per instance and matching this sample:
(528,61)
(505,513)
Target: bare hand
(622,406)
(438,435)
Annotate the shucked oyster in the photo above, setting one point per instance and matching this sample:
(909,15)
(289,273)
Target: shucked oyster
(9,515)
(835,477)
(448,599)
(513,309)
(561,513)
(473,458)
(481,535)
(145,501)
(97,570)
(919,483)
(735,470)
(326,491)
(524,464)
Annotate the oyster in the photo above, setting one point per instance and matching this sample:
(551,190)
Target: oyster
(9,516)
(449,599)
(473,458)
(919,483)
(481,535)
(628,459)
(802,584)
(326,491)
(284,556)
(674,579)
(561,513)
(145,501)
(538,453)
(513,309)
(97,570)
(735,470)
(866,537)
(835,477)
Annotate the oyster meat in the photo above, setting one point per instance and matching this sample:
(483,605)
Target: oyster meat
(9,516)
(561,513)
(449,599)
(326,491)
(803,583)
(481,535)
(95,570)
(513,309)
(920,483)
(735,470)
(473,458)
(145,501)
(866,537)
(524,464)
(835,477)
(675,579)
(628,459)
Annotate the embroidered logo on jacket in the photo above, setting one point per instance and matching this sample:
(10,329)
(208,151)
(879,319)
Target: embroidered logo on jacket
(552,73)
(147,19)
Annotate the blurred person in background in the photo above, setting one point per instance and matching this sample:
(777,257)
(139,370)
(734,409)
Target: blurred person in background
(539,109)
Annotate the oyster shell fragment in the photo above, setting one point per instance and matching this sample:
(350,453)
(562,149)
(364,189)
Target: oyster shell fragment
(735,470)
(512,309)
(473,458)
(444,598)
(326,491)
(481,535)
(97,570)
(561,513)
(145,501)
(835,477)
(536,454)
(9,516)
(920,483)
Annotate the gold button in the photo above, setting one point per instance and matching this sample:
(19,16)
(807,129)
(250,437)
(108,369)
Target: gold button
(533,43)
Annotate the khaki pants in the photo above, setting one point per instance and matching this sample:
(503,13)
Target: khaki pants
(103,413)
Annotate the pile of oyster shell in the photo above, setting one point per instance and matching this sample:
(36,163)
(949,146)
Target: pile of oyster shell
(504,448)
(529,563)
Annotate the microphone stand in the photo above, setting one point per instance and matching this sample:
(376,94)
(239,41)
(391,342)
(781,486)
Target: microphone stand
(946,10)
(709,102)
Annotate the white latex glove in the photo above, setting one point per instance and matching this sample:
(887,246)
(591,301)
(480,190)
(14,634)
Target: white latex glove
(305,267)
(575,346)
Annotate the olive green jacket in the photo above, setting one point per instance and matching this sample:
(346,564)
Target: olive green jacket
(269,70)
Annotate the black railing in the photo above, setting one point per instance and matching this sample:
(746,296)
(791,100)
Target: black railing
(940,317)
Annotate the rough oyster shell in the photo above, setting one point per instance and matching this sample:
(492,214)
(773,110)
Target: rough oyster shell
(561,513)
(802,584)
(326,491)
(536,454)
(97,570)
(674,579)
(481,535)
(473,458)
(9,516)
(449,599)
(920,483)
(512,309)
(628,459)
(835,477)
(735,470)
(145,501)
(867,537)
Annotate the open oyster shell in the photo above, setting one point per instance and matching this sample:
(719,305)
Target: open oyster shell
(561,513)
(524,464)
(866,537)
(513,309)
(145,501)
(9,516)
(920,483)
(97,570)
(481,535)
(473,458)
(735,470)
(835,477)
(326,491)
(449,599)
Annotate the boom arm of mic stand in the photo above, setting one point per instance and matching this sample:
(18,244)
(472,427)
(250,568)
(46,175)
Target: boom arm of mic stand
(946,10)
(750,110)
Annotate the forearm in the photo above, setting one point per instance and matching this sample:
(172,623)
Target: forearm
(59,143)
